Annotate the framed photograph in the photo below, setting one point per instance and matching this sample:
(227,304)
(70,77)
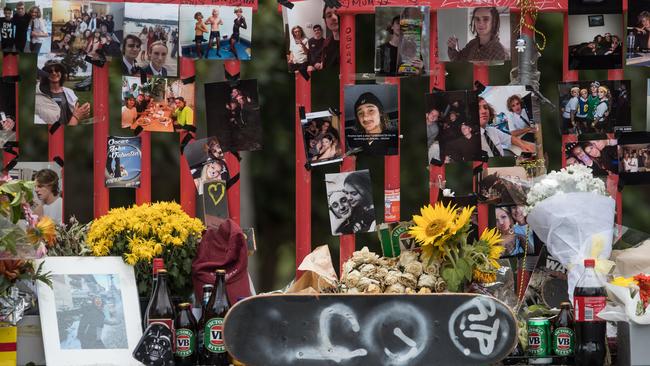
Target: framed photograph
(638,33)
(371,119)
(349,199)
(401,40)
(453,132)
(634,157)
(517,239)
(233,115)
(595,106)
(595,41)
(48,191)
(321,138)
(601,155)
(216,32)
(505,185)
(514,111)
(459,38)
(123,162)
(596,21)
(91,312)
(7,112)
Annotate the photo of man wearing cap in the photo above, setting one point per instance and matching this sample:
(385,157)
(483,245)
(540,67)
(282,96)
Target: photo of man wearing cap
(374,131)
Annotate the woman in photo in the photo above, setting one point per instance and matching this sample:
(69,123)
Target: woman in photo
(129,113)
(362,216)
(63,45)
(521,227)
(486,45)
(373,125)
(39,30)
(49,197)
(328,148)
(94,45)
(238,23)
(510,240)
(144,39)
(633,162)
(56,103)
(199,29)
(214,150)
(298,50)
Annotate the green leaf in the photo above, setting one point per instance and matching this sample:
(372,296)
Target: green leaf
(463,269)
(450,276)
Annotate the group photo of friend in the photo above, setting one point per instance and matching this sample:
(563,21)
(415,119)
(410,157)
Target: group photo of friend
(599,155)
(595,106)
(89,27)
(311,32)
(479,34)
(153,30)
(452,127)
(216,32)
(26,26)
(349,198)
(321,137)
(634,158)
(401,40)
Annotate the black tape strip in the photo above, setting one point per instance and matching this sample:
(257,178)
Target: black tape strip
(143,76)
(307,166)
(97,62)
(55,126)
(236,154)
(477,170)
(304,73)
(232,181)
(484,156)
(301,111)
(287,4)
(436,162)
(333,4)
(11,144)
(621,184)
(138,130)
(479,87)
(335,111)
(436,90)
(10,150)
(188,128)
(230,77)
(11,164)
(185,141)
(189,80)
(11,79)
(58,160)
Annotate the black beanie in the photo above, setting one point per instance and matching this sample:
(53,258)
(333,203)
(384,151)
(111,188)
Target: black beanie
(368,98)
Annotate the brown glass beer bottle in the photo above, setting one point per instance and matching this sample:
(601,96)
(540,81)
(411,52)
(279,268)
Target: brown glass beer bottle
(214,348)
(185,325)
(162,309)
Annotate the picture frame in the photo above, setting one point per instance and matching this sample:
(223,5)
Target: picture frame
(596,20)
(84,288)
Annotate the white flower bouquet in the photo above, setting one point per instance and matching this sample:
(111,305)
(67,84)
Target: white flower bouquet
(572,213)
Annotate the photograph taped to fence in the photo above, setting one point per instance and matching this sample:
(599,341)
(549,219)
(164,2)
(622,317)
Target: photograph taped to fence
(349,199)
(453,132)
(474,34)
(595,34)
(516,114)
(311,32)
(321,138)
(371,118)
(64,92)
(7,112)
(638,33)
(233,115)
(200,154)
(401,40)
(92,28)
(517,239)
(505,185)
(155,25)
(157,105)
(123,162)
(601,155)
(48,200)
(595,106)
(216,32)
(26,26)
(634,157)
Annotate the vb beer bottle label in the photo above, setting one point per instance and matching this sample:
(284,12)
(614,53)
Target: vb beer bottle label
(563,341)
(213,336)
(185,340)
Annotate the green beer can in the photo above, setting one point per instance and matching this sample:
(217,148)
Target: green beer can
(539,341)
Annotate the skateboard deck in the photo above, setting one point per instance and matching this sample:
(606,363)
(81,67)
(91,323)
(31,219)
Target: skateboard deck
(378,329)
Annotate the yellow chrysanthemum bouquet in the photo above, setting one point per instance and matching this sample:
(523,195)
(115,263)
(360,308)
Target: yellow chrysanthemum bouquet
(442,231)
(141,233)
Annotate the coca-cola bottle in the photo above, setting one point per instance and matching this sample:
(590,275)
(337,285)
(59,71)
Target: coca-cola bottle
(563,336)
(162,310)
(589,298)
(214,349)
(185,325)
(158,264)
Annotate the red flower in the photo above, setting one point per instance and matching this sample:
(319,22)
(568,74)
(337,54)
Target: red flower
(644,288)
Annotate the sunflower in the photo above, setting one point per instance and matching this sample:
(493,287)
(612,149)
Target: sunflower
(462,219)
(481,276)
(45,230)
(434,224)
(492,238)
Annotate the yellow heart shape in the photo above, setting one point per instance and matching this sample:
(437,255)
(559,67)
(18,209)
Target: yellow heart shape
(216,189)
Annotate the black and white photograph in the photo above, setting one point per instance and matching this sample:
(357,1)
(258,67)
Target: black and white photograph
(601,155)
(401,40)
(216,32)
(595,106)
(91,311)
(505,185)
(479,34)
(371,119)
(93,28)
(207,161)
(349,200)
(26,26)
(595,34)
(7,112)
(48,187)
(322,138)
(233,115)
(453,132)
(311,33)
(154,27)
(516,238)
(63,90)
(516,114)
(638,33)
